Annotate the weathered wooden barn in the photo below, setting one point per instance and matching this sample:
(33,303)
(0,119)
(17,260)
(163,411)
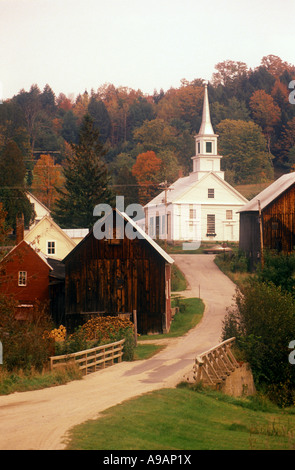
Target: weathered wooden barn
(57,291)
(121,272)
(277,206)
(24,274)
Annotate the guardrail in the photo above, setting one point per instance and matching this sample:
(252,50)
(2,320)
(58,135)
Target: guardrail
(91,360)
(213,366)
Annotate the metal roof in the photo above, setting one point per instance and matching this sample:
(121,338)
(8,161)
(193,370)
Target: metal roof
(134,226)
(270,193)
(76,232)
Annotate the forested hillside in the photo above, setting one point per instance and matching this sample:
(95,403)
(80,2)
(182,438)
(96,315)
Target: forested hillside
(149,139)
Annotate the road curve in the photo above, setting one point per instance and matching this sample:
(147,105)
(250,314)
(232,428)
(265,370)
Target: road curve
(39,420)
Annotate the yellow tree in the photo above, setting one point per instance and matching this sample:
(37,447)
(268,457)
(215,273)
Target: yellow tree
(184,103)
(266,113)
(275,65)
(47,178)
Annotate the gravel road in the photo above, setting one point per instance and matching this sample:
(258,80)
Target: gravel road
(39,420)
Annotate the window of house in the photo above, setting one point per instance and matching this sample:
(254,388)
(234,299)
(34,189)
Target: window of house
(22,278)
(229,215)
(199,148)
(151,228)
(51,247)
(208,147)
(210,224)
(211,192)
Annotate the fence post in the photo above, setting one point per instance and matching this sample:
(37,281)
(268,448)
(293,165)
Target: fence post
(86,356)
(135,326)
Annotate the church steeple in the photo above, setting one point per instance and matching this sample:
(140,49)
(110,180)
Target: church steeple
(206,158)
(206,126)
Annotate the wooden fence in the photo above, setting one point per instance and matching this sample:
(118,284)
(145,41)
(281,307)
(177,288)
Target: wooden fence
(213,366)
(91,360)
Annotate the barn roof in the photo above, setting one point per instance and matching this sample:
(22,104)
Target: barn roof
(147,237)
(270,193)
(137,228)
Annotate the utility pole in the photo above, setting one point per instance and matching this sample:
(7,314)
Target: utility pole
(165,186)
(261,235)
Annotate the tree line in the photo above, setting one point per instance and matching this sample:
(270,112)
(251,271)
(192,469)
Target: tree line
(144,140)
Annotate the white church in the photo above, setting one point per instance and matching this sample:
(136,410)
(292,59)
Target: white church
(201,206)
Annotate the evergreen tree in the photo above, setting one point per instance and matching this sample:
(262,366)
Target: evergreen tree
(86,180)
(12,189)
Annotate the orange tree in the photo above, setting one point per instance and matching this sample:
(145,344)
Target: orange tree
(147,171)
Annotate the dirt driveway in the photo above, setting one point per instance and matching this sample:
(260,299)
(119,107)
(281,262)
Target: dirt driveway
(40,419)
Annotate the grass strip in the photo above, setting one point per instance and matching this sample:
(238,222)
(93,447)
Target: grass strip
(24,381)
(190,314)
(182,419)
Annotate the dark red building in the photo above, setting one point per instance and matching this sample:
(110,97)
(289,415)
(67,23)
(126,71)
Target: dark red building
(24,274)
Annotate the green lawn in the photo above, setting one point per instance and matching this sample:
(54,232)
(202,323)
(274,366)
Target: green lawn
(190,314)
(182,419)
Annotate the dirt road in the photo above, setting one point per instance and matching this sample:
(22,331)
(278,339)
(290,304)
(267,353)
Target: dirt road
(40,419)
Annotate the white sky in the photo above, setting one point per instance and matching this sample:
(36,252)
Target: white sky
(75,45)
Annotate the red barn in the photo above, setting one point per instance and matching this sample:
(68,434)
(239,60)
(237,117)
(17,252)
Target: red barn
(24,274)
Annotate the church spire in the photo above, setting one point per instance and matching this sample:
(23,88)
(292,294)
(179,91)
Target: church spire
(206,126)
(206,158)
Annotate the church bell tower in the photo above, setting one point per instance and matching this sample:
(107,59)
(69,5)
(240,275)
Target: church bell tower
(206,158)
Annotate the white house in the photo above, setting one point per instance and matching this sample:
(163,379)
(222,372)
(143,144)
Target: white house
(201,206)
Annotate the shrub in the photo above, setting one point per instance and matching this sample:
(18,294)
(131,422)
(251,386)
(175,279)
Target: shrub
(74,343)
(24,344)
(263,323)
(278,269)
(97,331)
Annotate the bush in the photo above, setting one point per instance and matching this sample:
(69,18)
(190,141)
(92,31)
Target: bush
(98,331)
(74,343)
(278,269)
(24,344)
(263,323)
(233,262)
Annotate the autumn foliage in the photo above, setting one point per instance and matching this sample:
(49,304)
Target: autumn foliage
(47,178)
(147,172)
(132,123)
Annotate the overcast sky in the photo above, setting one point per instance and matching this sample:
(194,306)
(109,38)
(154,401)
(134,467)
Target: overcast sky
(75,45)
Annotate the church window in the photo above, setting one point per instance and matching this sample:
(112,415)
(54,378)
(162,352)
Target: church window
(210,224)
(192,213)
(211,193)
(229,215)
(208,147)
(199,148)
(163,225)
(151,228)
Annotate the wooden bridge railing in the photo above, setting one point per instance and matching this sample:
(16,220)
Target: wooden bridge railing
(91,360)
(213,366)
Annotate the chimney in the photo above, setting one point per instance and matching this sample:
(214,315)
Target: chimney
(20,229)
